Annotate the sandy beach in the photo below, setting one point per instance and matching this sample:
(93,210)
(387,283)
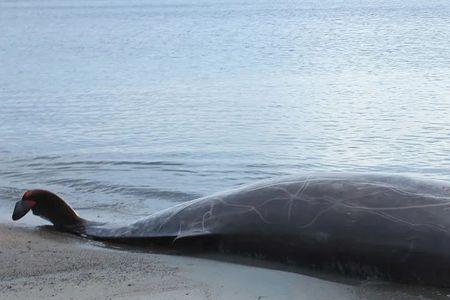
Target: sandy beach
(38,262)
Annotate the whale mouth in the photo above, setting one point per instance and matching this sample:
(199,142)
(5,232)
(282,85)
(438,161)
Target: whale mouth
(22,208)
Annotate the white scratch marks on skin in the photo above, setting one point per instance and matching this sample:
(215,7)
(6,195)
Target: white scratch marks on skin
(273,200)
(398,220)
(405,193)
(180,229)
(281,189)
(402,207)
(188,204)
(276,185)
(316,217)
(208,213)
(296,196)
(249,208)
(302,188)
(287,202)
(179,234)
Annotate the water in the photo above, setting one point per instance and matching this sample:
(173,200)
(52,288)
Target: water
(127,107)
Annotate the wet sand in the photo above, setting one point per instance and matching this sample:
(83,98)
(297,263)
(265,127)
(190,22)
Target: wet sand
(42,263)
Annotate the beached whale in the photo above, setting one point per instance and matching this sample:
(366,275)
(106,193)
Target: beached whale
(383,226)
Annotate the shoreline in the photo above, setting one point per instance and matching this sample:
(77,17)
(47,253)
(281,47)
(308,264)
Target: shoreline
(40,262)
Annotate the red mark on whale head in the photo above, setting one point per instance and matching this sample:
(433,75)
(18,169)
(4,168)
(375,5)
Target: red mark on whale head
(31,203)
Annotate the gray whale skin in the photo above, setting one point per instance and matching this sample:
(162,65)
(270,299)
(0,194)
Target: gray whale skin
(383,226)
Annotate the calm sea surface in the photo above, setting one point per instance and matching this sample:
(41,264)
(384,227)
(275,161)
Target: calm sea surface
(127,107)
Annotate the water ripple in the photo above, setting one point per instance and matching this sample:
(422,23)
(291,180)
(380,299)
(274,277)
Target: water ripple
(145,104)
(87,186)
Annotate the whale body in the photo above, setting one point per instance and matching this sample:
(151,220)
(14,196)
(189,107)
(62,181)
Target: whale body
(366,225)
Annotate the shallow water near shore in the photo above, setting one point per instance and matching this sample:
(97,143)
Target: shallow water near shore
(126,108)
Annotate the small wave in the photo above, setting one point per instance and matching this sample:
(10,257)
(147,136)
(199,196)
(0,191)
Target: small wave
(41,157)
(10,193)
(46,157)
(88,186)
(99,206)
(102,163)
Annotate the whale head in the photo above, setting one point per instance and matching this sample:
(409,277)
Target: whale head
(48,206)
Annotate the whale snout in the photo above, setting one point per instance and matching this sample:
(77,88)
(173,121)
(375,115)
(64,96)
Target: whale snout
(21,208)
